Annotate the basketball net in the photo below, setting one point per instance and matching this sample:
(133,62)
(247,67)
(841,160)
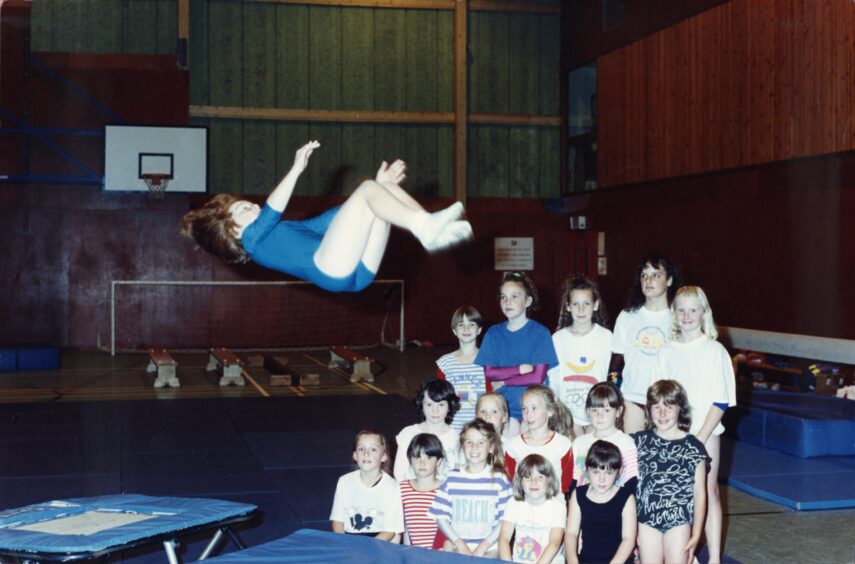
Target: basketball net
(157,184)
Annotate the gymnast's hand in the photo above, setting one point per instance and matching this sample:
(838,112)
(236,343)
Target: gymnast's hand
(394,173)
(301,159)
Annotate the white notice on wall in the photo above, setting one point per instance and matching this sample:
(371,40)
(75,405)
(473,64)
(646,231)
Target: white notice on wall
(514,253)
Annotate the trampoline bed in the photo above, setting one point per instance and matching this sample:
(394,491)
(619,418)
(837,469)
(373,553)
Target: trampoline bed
(95,527)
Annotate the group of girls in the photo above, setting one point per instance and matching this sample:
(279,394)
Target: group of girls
(524,444)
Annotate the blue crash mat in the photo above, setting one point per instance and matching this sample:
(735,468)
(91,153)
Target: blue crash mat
(98,525)
(320,547)
(803,425)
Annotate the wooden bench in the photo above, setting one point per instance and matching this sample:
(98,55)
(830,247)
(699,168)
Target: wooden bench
(228,365)
(358,364)
(160,361)
(282,375)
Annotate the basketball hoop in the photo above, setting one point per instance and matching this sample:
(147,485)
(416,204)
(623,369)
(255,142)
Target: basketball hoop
(157,184)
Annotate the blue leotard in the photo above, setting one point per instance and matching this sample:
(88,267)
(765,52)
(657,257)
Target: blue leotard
(290,246)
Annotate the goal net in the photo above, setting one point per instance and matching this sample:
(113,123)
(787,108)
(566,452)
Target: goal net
(184,314)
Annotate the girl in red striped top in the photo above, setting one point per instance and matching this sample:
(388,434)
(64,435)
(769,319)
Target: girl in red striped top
(426,457)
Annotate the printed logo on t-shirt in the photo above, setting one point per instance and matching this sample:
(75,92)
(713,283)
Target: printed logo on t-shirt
(574,391)
(361,522)
(526,547)
(649,340)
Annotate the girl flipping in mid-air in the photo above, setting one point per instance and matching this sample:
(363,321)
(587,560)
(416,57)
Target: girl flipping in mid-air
(436,403)
(367,501)
(549,432)
(536,515)
(518,352)
(470,504)
(601,512)
(672,467)
(696,360)
(492,407)
(605,410)
(339,250)
(458,367)
(426,455)
(640,331)
(584,348)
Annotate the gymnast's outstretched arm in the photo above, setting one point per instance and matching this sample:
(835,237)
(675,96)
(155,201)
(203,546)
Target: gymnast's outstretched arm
(281,195)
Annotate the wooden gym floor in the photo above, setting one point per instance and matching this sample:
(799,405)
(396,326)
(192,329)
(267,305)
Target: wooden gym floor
(756,530)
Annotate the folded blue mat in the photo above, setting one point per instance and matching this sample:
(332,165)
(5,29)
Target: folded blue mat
(803,425)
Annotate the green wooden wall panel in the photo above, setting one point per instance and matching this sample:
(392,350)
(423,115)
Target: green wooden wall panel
(491,62)
(422,158)
(167,27)
(225,156)
(445,61)
(523,68)
(357,63)
(492,159)
(548,62)
(41,25)
(258,80)
(259,157)
(224,44)
(445,160)
(357,155)
(199,61)
(523,161)
(550,143)
(390,143)
(292,57)
(420,59)
(106,26)
(390,72)
(326,174)
(139,26)
(64,35)
(325,57)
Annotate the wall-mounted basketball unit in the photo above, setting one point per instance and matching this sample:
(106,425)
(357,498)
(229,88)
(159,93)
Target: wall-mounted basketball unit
(142,158)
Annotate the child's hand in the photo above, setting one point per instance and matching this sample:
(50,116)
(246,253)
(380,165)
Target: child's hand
(526,368)
(301,159)
(461,547)
(394,173)
(689,551)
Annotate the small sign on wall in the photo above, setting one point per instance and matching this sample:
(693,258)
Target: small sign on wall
(514,253)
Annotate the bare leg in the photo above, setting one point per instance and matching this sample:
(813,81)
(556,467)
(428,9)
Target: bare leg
(650,545)
(674,541)
(633,417)
(712,527)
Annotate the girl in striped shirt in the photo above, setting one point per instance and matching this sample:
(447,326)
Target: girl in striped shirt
(469,506)
(459,367)
(426,456)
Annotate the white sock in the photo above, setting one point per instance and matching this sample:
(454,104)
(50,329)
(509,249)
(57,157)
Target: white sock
(427,227)
(455,233)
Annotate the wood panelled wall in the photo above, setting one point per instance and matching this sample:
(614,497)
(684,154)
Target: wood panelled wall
(744,83)
(265,55)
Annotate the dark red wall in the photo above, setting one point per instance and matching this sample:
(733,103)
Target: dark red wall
(773,245)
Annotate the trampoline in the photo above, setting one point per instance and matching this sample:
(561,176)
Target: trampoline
(96,527)
(321,547)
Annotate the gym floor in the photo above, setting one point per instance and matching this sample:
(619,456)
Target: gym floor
(756,530)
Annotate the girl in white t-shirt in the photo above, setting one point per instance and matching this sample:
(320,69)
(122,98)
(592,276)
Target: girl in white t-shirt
(584,348)
(536,515)
(367,501)
(696,360)
(640,331)
(436,403)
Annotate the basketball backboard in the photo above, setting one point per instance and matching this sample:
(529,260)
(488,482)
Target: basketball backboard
(132,152)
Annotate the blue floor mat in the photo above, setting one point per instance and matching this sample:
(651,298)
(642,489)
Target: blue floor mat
(798,483)
(301,449)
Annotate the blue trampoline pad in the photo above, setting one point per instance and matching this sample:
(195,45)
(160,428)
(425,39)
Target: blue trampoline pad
(86,528)
(321,547)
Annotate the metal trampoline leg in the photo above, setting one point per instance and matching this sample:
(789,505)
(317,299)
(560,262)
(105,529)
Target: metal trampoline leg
(169,547)
(212,544)
(235,538)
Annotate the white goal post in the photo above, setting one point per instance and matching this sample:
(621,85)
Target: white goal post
(252,315)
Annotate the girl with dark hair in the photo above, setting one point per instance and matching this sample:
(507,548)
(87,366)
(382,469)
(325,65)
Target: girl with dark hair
(426,456)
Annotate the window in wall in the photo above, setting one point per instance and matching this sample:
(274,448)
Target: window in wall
(582,128)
